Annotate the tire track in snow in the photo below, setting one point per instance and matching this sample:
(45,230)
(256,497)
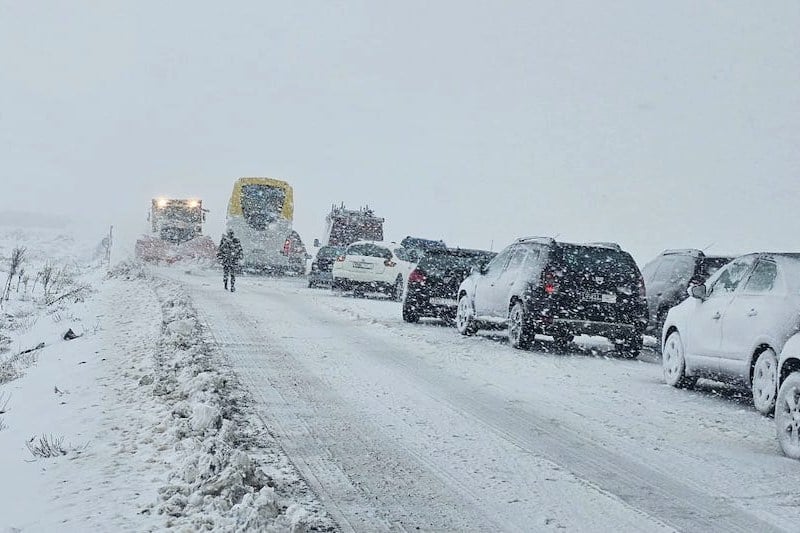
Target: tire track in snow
(671,500)
(639,486)
(408,492)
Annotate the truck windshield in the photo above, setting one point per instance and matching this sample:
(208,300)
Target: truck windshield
(262,204)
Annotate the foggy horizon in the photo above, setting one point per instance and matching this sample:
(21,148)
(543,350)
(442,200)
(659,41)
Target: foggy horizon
(655,126)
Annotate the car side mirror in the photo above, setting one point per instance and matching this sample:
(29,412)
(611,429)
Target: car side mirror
(698,291)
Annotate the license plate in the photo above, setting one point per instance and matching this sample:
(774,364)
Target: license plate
(605,298)
(450,302)
(363,266)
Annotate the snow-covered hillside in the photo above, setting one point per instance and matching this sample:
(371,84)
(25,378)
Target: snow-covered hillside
(134,421)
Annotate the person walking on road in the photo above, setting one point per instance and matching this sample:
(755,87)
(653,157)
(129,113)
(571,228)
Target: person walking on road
(229,254)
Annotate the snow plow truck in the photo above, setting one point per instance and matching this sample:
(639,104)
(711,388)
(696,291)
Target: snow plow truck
(346,226)
(176,233)
(260,213)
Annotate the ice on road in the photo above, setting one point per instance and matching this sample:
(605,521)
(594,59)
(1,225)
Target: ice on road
(399,426)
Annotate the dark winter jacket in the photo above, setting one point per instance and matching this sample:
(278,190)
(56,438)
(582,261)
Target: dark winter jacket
(229,252)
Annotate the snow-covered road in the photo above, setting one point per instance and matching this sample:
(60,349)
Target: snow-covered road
(400,426)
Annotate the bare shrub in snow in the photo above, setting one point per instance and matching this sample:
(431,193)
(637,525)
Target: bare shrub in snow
(46,446)
(76,294)
(12,367)
(15,265)
(5,341)
(49,446)
(4,399)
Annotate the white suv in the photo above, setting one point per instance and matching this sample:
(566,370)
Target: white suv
(734,326)
(374,266)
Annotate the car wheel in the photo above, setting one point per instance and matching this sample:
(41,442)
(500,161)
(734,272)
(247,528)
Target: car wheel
(674,363)
(765,382)
(787,416)
(630,348)
(397,291)
(465,317)
(410,314)
(519,333)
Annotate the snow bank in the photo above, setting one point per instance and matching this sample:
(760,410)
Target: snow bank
(214,483)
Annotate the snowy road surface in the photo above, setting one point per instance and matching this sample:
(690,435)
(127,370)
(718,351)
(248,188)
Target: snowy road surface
(399,426)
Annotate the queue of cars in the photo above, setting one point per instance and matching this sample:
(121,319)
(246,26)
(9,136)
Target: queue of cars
(730,319)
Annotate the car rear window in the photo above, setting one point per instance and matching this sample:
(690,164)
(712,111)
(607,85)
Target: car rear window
(369,250)
(596,261)
(440,263)
(329,252)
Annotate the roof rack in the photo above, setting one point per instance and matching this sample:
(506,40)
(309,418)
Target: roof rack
(684,251)
(610,245)
(538,240)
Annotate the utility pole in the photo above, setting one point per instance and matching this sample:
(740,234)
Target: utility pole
(109,243)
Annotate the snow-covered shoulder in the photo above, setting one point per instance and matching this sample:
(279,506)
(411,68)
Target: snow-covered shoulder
(116,412)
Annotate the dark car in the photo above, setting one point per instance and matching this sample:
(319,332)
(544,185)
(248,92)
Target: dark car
(540,286)
(668,276)
(322,266)
(422,246)
(433,285)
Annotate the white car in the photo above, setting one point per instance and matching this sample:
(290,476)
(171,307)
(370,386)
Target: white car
(372,266)
(734,325)
(787,408)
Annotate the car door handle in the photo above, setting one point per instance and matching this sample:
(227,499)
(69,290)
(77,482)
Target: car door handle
(717,315)
(752,312)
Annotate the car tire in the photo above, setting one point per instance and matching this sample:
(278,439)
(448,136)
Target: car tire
(630,348)
(673,363)
(520,335)
(397,290)
(787,416)
(410,314)
(765,382)
(465,317)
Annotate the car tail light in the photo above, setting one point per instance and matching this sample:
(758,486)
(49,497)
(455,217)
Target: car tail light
(549,282)
(416,276)
(389,263)
(340,258)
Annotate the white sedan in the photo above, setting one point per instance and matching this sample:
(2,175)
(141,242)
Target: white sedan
(734,325)
(369,266)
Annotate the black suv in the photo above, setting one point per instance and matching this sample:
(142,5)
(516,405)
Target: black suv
(433,285)
(322,267)
(668,276)
(538,285)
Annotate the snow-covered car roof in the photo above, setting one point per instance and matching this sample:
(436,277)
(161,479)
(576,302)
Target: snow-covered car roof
(385,244)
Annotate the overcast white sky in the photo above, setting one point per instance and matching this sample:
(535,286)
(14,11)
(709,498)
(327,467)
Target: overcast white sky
(655,124)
